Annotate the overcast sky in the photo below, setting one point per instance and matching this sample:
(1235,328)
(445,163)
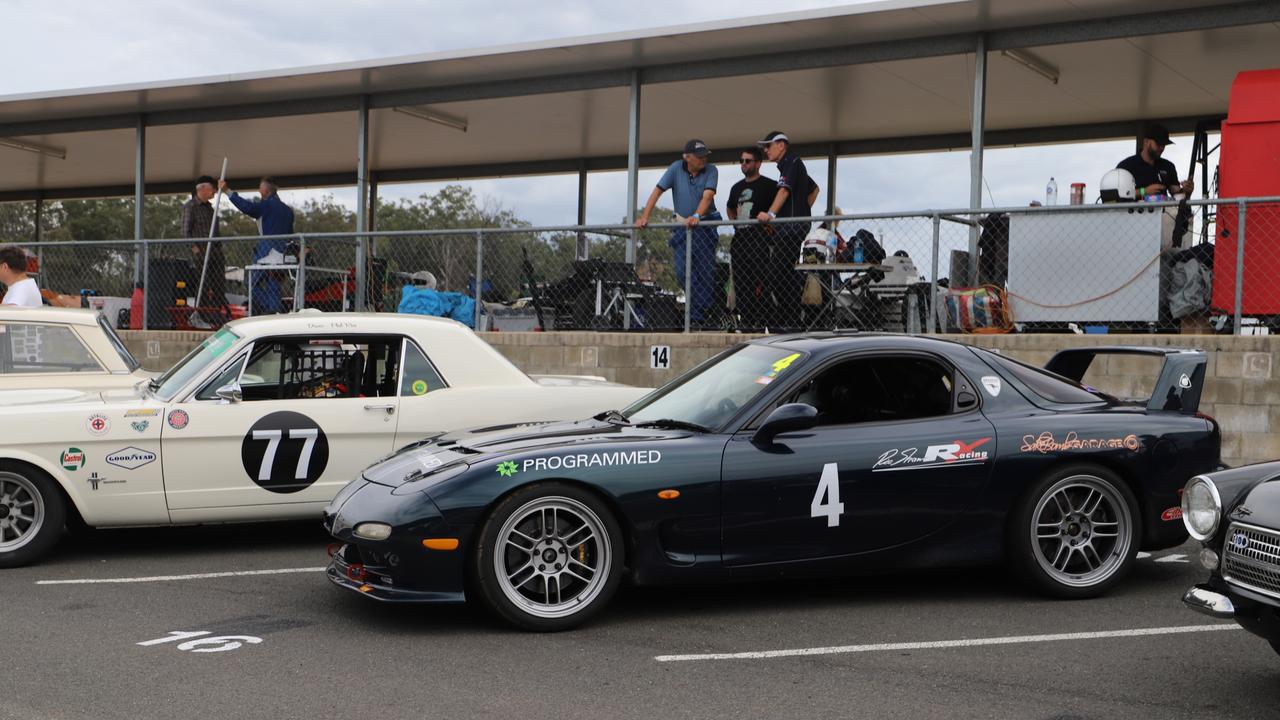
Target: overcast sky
(50,46)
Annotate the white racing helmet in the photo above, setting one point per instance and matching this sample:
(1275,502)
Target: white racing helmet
(1118,186)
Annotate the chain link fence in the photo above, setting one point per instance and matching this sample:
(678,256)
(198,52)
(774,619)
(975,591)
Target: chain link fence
(1147,267)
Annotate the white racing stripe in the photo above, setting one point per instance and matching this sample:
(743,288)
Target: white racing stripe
(172,578)
(940,644)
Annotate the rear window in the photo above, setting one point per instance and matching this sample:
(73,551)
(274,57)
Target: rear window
(1047,385)
(125,356)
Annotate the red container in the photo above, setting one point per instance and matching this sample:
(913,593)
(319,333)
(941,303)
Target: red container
(1250,167)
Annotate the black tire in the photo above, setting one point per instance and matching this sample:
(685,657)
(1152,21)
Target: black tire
(34,514)
(549,559)
(1066,536)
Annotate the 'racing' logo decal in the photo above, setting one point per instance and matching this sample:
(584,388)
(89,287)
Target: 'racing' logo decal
(952,454)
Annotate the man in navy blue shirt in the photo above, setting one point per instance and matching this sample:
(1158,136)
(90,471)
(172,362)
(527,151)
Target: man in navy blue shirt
(692,182)
(274,218)
(792,200)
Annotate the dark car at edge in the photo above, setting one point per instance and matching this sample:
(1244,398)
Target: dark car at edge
(802,455)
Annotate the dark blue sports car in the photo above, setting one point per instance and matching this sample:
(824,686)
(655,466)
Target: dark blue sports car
(804,454)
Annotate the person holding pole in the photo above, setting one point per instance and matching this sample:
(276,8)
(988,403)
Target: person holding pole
(274,218)
(200,222)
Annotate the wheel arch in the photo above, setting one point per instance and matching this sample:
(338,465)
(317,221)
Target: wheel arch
(39,464)
(610,502)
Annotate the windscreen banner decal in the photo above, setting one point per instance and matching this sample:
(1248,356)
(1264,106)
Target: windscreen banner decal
(1047,442)
(957,453)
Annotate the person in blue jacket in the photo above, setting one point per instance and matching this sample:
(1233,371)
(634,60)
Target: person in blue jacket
(274,218)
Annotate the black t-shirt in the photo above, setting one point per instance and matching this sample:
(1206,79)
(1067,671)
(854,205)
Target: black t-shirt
(793,176)
(749,199)
(1143,174)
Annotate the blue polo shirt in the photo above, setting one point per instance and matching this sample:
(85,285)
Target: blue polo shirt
(686,192)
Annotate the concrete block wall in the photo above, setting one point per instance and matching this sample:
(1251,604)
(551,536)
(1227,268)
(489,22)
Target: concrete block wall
(1242,389)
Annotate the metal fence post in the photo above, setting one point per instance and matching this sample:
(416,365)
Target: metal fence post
(300,284)
(479,276)
(1239,304)
(146,284)
(931,325)
(688,276)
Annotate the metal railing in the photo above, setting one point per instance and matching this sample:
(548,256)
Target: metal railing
(1144,267)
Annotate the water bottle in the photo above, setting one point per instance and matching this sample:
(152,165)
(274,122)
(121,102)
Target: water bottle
(857,250)
(1051,192)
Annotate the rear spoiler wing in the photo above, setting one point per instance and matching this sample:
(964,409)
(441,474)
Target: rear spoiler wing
(1177,388)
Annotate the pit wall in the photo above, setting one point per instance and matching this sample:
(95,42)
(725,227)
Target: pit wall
(1242,390)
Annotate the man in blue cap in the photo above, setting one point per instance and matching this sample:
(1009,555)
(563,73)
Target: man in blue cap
(692,182)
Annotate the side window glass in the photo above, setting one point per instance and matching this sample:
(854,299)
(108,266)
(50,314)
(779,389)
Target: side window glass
(879,389)
(229,374)
(321,367)
(420,377)
(32,348)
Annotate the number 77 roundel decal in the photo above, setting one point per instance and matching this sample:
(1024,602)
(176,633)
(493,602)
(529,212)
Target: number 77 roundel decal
(284,452)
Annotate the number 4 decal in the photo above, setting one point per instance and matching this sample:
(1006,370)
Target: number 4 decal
(826,499)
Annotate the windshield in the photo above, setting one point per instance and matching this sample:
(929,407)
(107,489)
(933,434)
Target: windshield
(1047,385)
(125,356)
(710,395)
(194,363)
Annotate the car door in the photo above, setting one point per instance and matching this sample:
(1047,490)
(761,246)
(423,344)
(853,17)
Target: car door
(312,414)
(900,450)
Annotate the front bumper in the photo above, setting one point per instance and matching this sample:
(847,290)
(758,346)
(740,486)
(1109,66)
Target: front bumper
(378,584)
(1257,613)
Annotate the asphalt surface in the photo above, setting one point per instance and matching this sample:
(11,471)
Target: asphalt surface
(72,650)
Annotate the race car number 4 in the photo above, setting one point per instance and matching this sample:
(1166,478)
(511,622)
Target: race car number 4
(826,499)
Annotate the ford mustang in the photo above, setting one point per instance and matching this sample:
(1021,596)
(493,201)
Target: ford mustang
(806,454)
(265,420)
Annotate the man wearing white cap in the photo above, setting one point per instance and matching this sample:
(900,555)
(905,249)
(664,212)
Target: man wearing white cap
(792,200)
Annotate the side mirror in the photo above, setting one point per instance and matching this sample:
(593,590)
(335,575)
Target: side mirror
(786,418)
(230,392)
(965,400)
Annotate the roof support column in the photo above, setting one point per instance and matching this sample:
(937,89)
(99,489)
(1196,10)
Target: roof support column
(362,201)
(584,251)
(139,198)
(832,158)
(372,221)
(975,154)
(633,162)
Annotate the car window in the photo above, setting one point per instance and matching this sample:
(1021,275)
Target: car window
(229,374)
(121,349)
(878,389)
(204,355)
(300,367)
(1047,385)
(420,377)
(36,348)
(710,394)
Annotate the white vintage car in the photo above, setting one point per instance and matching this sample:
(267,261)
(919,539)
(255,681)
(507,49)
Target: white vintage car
(265,420)
(51,347)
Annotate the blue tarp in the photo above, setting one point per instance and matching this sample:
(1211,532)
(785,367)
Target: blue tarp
(424,301)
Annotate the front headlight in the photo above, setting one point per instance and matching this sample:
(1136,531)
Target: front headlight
(372,531)
(1201,507)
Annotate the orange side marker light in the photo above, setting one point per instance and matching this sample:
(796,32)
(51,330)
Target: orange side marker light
(668,494)
(440,544)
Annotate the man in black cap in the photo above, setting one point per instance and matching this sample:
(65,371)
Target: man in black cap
(1152,174)
(197,224)
(692,182)
(792,200)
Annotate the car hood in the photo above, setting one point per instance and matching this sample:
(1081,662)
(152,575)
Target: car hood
(468,447)
(1261,506)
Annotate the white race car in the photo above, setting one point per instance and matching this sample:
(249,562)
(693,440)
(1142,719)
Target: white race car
(63,348)
(267,419)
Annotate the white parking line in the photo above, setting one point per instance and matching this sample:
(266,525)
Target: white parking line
(171,578)
(940,644)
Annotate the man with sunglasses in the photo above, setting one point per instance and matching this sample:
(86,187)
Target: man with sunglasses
(752,244)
